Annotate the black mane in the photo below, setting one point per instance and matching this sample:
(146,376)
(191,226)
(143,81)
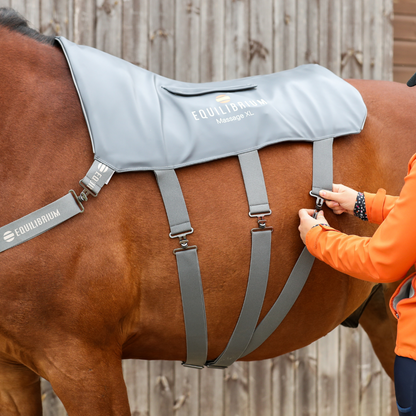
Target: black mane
(14,21)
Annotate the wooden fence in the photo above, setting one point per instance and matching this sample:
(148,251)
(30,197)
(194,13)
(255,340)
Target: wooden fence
(210,40)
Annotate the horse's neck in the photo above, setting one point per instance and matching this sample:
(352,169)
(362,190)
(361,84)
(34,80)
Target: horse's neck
(42,128)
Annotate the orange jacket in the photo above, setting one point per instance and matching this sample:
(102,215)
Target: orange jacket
(385,257)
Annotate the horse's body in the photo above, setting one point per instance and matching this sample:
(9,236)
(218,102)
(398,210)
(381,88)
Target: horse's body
(104,286)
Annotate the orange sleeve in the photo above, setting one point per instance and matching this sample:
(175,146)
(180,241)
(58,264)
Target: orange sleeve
(378,205)
(385,257)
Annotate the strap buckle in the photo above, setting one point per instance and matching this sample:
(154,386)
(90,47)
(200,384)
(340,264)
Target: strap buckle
(261,221)
(318,204)
(198,367)
(183,241)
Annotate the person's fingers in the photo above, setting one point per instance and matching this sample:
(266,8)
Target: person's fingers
(336,187)
(332,204)
(304,213)
(332,196)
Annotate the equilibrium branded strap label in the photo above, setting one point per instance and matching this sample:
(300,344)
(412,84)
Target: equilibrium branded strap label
(39,221)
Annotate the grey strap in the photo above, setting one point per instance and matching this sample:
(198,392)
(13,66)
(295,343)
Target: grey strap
(188,269)
(39,221)
(260,262)
(253,302)
(193,306)
(57,212)
(284,302)
(174,202)
(322,166)
(97,176)
(254,182)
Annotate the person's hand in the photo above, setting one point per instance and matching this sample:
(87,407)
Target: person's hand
(341,200)
(307,221)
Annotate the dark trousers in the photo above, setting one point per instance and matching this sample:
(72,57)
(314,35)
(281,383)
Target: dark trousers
(405,385)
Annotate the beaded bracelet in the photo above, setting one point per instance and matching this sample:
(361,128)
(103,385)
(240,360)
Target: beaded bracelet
(359,207)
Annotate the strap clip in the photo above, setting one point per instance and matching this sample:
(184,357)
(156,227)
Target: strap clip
(198,367)
(183,241)
(318,204)
(261,221)
(83,196)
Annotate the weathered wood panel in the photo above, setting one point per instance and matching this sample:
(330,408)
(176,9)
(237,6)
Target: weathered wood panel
(405,53)
(328,372)
(404,59)
(261,37)
(201,40)
(349,372)
(212,40)
(161,38)
(135,32)
(404,27)
(330,26)
(237,49)
(187,44)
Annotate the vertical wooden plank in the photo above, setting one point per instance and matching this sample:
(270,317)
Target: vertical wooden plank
(328,372)
(261,37)
(19,6)
(236,39)
(370,379)
(187,40)
(307,42)
(378,39)
(312,50)
(301,32)
(56,17)
(52,406)
(306,387)
(372,34)
(388,40)
(351,64)
(260,388)
(47,24)
(330,35)
(161,32)
(212,40)
(349,371)
(236,389)
(109,26)
(283,393)
(135,32)
(32,13)
(84,22)
(186,391)
(136,376)
(387,396)
(161,394)
(284,34)
(212,392)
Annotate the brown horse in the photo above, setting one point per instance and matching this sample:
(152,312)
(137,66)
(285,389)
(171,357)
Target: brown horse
(103,286)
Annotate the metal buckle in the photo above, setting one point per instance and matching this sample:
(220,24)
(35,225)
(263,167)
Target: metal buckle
(183,241)
(217,367)
(87,191)
(198,367)
(78,201)
(318,204)
(261,221)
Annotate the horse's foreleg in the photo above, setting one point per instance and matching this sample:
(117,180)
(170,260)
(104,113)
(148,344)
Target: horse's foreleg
(379,324)
(19,390)
(89,383)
